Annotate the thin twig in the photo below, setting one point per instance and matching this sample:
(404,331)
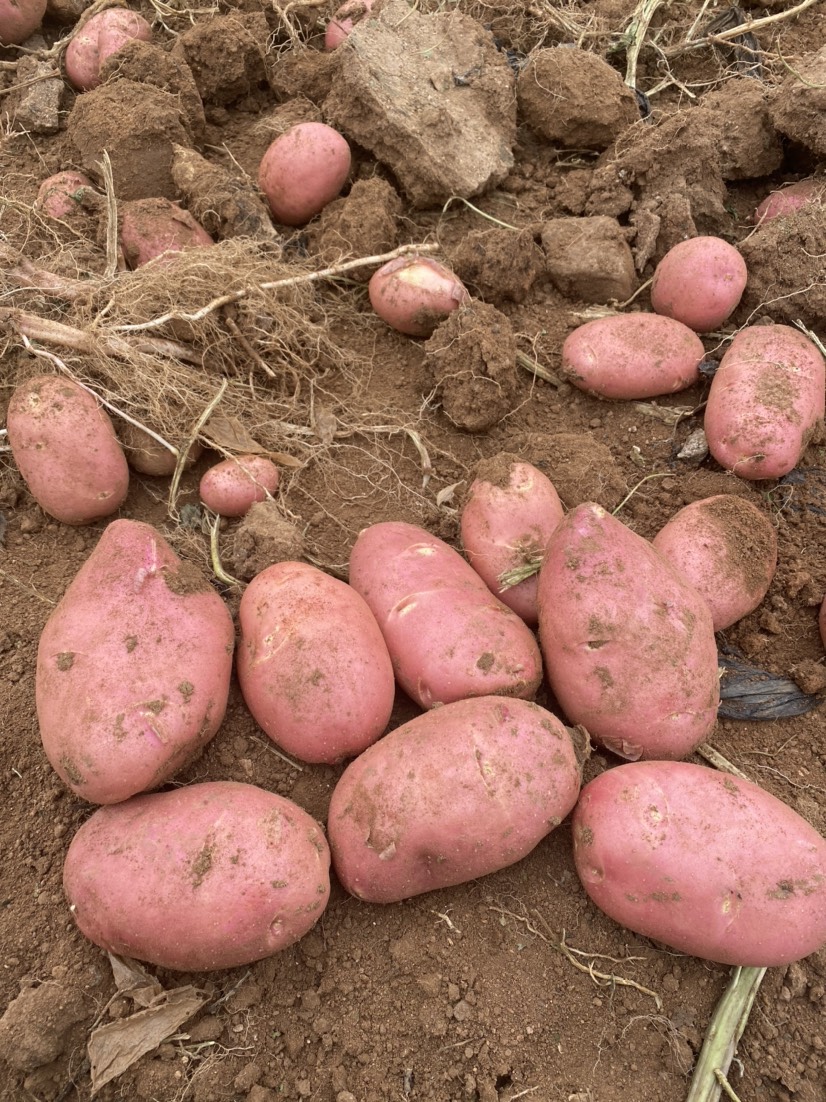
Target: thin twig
(749,27)
(637,30)
(215,557)
(715,758)
(55,332)
(274,750)
(633,490)
(724,1032)
(184,452)
(483,214)
(544,373)
(112,249)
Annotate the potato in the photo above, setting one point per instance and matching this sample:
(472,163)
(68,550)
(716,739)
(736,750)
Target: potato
(210,876)
(414,294)
(448,636)
(508,516)
(147,456)
(347,17)
(704,862)
(66,450)
(699,282)
(628,643)
(56,195)
(133,667)
(765,401)
(100,37)
(727,549)
(303,170)
(632,356)
(152,227)
(232,487)
(789,200)
(312,663)
(454,794)
(19,19)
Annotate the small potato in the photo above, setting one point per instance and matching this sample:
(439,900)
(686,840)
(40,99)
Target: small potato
(727,549)
(414,294)
(66,450)
(210,876)
(455,794)
(765,401)
(103,35)
(56,195)
(507,519)
(347,17)
(628,643)
(312,663)
(147,456)
(789,200)
(232,487)
(699,282)
(19,19)
(632,356)
(448,636)
(152,227)
(707,863)
(304,170)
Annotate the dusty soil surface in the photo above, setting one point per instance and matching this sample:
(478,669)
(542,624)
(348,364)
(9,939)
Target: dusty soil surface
(462,994)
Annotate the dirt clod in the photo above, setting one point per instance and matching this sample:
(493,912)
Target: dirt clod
(34,1028)
(262,538)
(589,259)
(498,264)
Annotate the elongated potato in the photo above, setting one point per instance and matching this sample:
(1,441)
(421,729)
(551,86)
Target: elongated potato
(628,643)
(454,794)
(448,636)
(707,863)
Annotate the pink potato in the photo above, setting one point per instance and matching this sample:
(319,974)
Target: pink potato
(303,170)
(312,664)
(232,487)
(151,228)
(699,282)
(789,200)
(727,549)
(66,450)
(508,516)
(414,294)
(628,643)
(765,401)
(209,876)
(454,794)
(448,636)
(56,195)
(347,17)
(632,356)
(147,456)
(19,19)
(702,861)
(133,667)
(100,37)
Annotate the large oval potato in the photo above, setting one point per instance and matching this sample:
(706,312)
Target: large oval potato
(454,794)
(699,282)
(628,643)
(448,636)
(65,448)
(765,401)
(312,663)
(208,876)
(133,667)
(705,862)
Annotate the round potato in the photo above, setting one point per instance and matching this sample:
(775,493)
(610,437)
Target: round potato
(699,282)
(632,356)
(100,37)
(56,195)
(452,795)
(19,19)
(232,487)
(150,228)
(147,456)
(209,876)
(414,294)
(704,862)
(303,170)
(65,448)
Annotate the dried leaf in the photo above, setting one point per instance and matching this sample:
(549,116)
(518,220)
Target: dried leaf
(132,979)
(695,448)
(229,434)
(669,415)
(445,495)
(325,424)
(284,460)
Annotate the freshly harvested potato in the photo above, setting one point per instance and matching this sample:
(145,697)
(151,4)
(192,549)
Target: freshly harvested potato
(303,170)
(632,356)
(628,643)
(147,456)
(151,228)
(704,862)
(347,17)
(508,516)
(209,876)
(133,667)
(789,200)
(414,294)
(727,549)
(765,401)
(19,19)
(65,448)
(56,195)
(232,487)
(448,636)
(454,794)
(699,282)
(100,37)
(312,663)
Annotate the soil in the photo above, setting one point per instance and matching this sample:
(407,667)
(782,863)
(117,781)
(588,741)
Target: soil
(465,993)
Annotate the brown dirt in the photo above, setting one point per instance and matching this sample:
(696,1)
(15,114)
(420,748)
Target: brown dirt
(460,994)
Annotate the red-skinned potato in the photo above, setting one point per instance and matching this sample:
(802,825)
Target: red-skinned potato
(66,450)
(347,17)
(454,794)
(628,643)
(632,356)
(727,549)
(312,663)
(303,170)
(789,200)
(765,401)
(56,195)
(100,37)
(508,516)
(448,636)
(414,294)
(19,19)
(151,227)
(699,282)
(133,667)
(147,456)
(205,877)
(702,861)
(232,487)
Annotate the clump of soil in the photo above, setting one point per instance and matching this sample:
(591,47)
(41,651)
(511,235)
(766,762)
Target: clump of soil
(498,264)
(36,1025)
(146,63)
(262,538)
(226,55)
(580,466)
(363,223)
(785,266)
(589,259)
(798,105)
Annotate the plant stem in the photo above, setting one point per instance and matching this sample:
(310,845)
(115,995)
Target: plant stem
(724,1032)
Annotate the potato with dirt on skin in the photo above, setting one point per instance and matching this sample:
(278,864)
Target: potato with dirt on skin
(156,229)
(789,200)
(414,294)
(231,487)
(99,38)
(303,170)
(454,794)
(65,448)
(205,877)
(19,19)
(705,862)
(56,196)
(699,282)
(147,455)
